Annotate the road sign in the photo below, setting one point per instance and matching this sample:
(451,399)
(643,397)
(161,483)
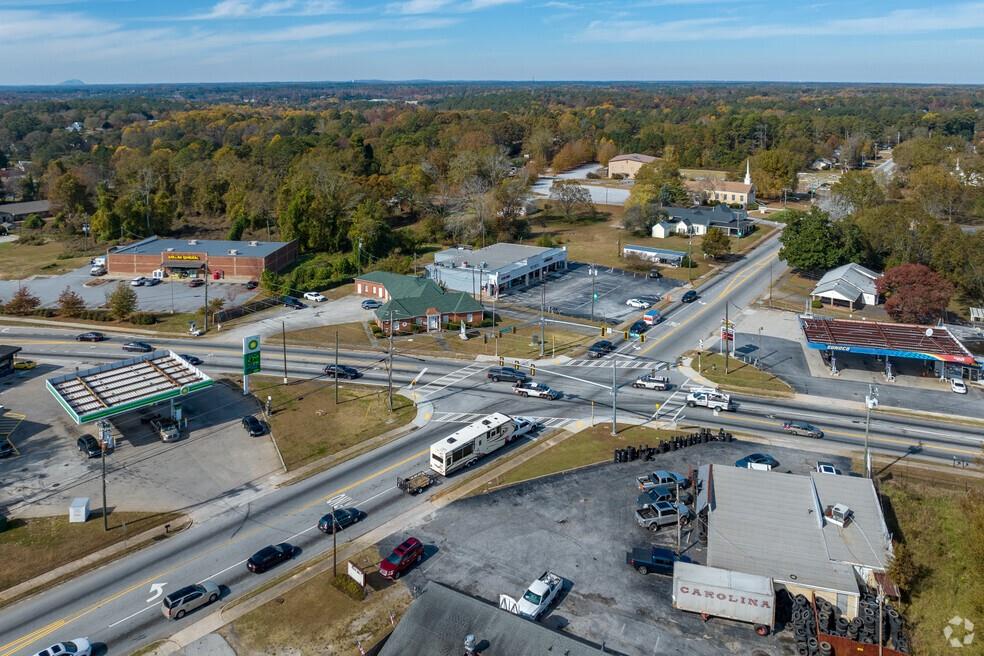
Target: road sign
(251,354)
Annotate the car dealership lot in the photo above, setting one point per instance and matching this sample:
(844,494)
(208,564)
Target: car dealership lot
(580,525)
(214,457)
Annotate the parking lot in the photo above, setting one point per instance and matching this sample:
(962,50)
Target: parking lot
(569,292)
(214,457)
(172,294)
(580,525)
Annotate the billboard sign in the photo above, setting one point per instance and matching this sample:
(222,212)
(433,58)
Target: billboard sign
(251,354)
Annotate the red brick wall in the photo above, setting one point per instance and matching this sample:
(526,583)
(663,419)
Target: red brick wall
(371,290)
(236,266)
(124,264)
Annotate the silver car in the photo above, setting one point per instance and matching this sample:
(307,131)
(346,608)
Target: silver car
(181,602)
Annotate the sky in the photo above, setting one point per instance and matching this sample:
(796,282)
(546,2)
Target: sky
(150,41)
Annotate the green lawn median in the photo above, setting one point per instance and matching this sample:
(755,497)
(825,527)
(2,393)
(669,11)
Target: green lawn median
(740,375)
(307,423)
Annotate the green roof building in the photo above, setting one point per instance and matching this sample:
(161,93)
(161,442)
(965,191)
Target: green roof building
(416,303)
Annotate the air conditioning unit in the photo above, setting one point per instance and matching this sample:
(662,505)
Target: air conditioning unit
(233,251)
(169,250)
(192,242)
(838,514)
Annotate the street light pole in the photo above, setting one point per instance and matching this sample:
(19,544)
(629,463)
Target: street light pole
(336,367)
(283,335)
(593,274)
(105,518)
(870,401)
(543,300)
(614,399)
(390,367)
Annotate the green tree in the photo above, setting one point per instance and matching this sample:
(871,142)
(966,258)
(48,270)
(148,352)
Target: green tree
(640,219)
(122,301)
(775,170)
(938,191)
(716,243)
(70,304)
(105,223)
(370,227)
(812,242)
(858,190)
(572,198)
(658,182)
(69,195)
(22,302)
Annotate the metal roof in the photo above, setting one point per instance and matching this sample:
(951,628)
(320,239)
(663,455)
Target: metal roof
(891,339)
(211,247)
(633,157)
(112,389)
(771,524)
(850,281)
(495,257)
(663,252)
(26,207)
(440,618)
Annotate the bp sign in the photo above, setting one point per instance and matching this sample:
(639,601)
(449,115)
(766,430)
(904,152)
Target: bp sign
(251,354)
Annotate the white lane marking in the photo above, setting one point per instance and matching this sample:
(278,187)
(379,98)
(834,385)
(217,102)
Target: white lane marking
(223,571)
(376,495)
(130,617)
(156,590)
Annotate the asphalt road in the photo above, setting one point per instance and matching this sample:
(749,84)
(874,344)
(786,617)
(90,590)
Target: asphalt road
(118,607)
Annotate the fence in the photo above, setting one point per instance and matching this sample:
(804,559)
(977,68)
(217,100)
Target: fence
(247,308)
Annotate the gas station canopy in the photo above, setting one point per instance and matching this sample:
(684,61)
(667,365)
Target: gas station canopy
(112,389)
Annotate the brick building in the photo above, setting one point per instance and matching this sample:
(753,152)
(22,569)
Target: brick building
(416,304)
(230,259)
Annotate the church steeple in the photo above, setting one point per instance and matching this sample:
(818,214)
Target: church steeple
(748,172)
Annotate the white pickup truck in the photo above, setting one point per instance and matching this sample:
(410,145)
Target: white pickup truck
(649,381)
(708,397)
(541,593)
(539,390)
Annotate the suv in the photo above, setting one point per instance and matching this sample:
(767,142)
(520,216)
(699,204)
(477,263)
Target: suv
(89,446)
(371,304)
(196,282)
(654,274)
(802,428)
(656,559)
(506,373)
(638,328)
(409,552)
(600,348)
(252,425)
(181,602)
(293,303)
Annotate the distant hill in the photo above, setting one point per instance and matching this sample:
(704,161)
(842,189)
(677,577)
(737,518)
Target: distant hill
(72,83)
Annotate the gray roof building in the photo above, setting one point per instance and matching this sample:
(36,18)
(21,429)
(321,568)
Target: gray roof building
(493,267)
(774,524)
(20,211)
(210,247)
(851,283)
(440,618)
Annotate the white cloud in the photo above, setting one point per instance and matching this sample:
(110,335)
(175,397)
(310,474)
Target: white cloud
(30,25)
(901,21)
(449,6)
(232,9)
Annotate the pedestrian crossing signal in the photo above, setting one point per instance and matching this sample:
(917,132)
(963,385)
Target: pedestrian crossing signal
(502,362)
(626,334)
(532,370)
(604,330)
(642,337)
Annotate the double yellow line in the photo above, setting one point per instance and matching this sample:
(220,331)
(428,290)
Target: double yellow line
(15,645)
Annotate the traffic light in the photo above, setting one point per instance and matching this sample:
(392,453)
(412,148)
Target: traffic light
(485,338)
(642,337)
(532,370)
(502,362)
(604,330)
(625,333)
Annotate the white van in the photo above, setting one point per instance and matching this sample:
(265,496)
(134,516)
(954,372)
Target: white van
(98,261)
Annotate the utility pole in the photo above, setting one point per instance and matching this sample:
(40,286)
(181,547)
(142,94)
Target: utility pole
(543,300)
(205,327)
(358,264)
(334,543)
(870,401)
(390,367)
(336,367)
(770,282)
(726,331)
(593,274)
(679,519)
(283,334)
(690,259)
(614,399)
(105,517)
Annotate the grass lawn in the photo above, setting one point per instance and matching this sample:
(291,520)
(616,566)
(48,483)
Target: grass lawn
(22,260)
(308,425)
(511,345)
(943,530)
(349,334)
(739,374)
(592,445)
(41,544)
(317,618)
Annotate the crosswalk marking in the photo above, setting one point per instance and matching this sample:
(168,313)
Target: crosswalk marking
(452,378)
(469,417)
(674,405)
(619,364)
(340,501)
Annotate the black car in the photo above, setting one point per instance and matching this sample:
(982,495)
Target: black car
(191,359)
(252,425)
(506,373)
(689,297)
(656,559)
(638,328)
(89,446)
(138,347)
(338,519)
(341,371)
(600,348)
(90,337)
(655,274)
(270,556)
(291,302)
(252,284)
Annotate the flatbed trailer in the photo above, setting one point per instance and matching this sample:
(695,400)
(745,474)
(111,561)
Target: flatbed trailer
(416,483)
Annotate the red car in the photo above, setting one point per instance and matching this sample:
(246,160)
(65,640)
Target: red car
(411,551)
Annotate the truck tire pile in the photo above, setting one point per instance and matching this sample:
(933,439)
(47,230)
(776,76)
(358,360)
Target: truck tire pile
(645,452)
(808,629)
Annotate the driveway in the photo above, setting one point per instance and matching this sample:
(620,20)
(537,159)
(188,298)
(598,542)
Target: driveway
(599,195)
(173,295)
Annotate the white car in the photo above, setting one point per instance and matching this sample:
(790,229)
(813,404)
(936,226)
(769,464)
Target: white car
(958,386)
(827,468)
(77,647)
(639,303)
(541,593)
(138,282)
(314,296)
(523,425)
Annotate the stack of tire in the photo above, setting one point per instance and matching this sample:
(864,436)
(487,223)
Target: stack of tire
(646,452)
(804,625)
(864,628)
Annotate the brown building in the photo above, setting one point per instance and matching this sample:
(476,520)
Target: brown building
(227,259)
(628,164)
(416,304)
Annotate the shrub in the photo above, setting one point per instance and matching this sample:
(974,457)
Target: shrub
(546,241)
(619,176)
(47,313)
(816,304)
(28,239)
(96,315)
(347,586)
(143,318)
(33,222)
(376,330)
(591,175)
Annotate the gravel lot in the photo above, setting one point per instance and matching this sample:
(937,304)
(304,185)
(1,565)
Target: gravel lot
(580,525)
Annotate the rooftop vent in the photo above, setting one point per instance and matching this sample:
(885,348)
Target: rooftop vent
(254,243)
(838,514)
(192,242)
(169,250)
(233,251)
